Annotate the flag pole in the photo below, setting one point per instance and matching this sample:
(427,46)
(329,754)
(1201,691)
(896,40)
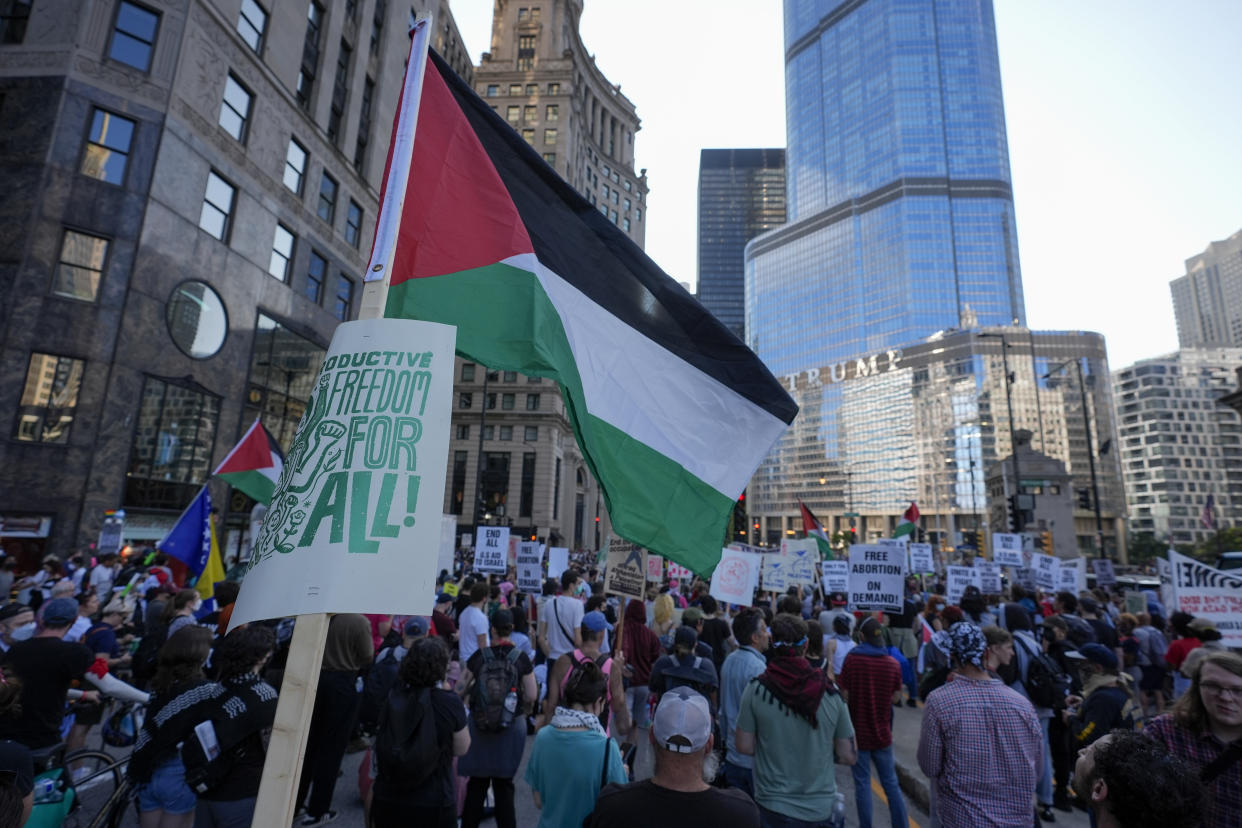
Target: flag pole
(282,768)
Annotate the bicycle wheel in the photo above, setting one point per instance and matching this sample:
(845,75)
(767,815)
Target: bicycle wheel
(95,777)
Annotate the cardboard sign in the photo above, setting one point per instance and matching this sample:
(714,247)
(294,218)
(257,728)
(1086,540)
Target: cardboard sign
(1046,569)
(1025,577)
(877,577)
(492,553)
(110,535)
(957,578)
(989,576)
(467,540)
(354,523)
(678,572)
(802,555)
(736,577)
(836,576)
(1007,549)
(558,561)
(1104,575)
(448,547)
(921,559)
(626,572)
(530,567)
(1207,592)
(655,568)
(1072,576)
(775,572)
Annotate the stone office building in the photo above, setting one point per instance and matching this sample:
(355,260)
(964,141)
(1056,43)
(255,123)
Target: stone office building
(191,187)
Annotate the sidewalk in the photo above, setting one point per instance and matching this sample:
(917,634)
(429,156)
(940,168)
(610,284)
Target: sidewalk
(907,721)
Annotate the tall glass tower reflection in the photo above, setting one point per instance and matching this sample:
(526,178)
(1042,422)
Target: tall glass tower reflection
(901,218)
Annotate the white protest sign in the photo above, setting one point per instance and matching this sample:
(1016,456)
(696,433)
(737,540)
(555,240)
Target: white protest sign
(1007,549)
(467,540)
(921,559)
(1207,592)
(877,577)
(1168,594)
(736,577)
(901,542)
(448,542)
(514,540)
(655,568)
(677,572)
(492,552)
(1103,569)
(558,561)
(775,572)
(354,523)
(989,577)
(1025,577)
(836,576)
(1073,576)
(802,555)
(530,567)
(957,578)
(1045,568)
(626,574)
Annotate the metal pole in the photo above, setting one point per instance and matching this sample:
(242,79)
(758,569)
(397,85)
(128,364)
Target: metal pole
(1013,439)
(478,477)
(1095,485)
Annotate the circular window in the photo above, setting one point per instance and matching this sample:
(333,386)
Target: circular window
(196,319)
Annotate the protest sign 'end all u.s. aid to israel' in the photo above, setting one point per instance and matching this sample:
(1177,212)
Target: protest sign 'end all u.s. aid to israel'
(354,523)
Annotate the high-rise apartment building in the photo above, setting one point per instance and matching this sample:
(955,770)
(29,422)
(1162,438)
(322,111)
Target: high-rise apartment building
(741,194)
(1179,445)
(191,189)
(1207,301)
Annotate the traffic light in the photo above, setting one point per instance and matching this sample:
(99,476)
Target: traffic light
(1038,540)
(1046,537)
(970,538)
(920,535)
(1084,499)
(1016,523)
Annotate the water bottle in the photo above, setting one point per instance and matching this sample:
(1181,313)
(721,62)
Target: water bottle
(838,810)
(45,790)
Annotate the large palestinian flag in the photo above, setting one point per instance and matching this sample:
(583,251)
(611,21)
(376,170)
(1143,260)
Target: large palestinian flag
(671,411)
(254,464)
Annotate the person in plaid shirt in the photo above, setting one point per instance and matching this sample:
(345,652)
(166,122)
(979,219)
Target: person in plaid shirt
(981,743)
(1205,730)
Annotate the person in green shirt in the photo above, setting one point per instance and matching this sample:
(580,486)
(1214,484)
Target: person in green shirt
(795,724)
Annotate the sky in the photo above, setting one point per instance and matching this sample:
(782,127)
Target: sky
(1124,133)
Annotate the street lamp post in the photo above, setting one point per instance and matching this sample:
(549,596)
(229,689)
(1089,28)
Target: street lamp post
(478,477)
(1086,416)
(1013,440)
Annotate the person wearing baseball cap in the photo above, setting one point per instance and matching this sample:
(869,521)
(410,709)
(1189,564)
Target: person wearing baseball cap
(594,625)
(442,624)
(1109,697)
(678,794)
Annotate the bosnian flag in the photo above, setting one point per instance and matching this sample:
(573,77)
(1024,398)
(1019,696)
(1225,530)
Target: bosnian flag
(254,465)
(909,522)
(812,528)
(477,230)
(189,541)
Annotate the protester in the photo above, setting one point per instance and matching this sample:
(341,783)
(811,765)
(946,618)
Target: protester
(496,746)
(1079,631)
(1205,730)
(1029,650)
(441,624)
(591,633)
(685,667)
(1152,647)
(180,611)
(714,631)
(980,743)
(17,623)
(573,758)
(840,642)
(181,698)
(1129,781)
(473,623)
(16,762)
(1109,699)
(740,666)
(870,680)
(1184,641)
(678,794)
(422,793)
(1210,637)
(561,618)
(662,623)
(793,720)
(642,650)
(1105,632)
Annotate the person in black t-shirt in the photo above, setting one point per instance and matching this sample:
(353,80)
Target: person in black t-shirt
(17,795)
(715,631)
(677,795)
(47,666)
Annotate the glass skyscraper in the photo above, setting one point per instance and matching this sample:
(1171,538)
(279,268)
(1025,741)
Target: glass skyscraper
(741,194)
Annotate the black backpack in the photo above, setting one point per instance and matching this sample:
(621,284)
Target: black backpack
(497,693)
(379,680)
(407,752)
(1046,684)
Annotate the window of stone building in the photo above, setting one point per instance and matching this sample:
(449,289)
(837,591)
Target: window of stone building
(532,434)
(364,123)
(340,91)
(549,137)
(532,89)
(513,113)
(310,54)
(235,108)
(489,432)
(171,454)
(554,89)
(282,253)
(515,89)
(465,399)
(532,402)
(510,376)
(527,499)
(552,112)
(458,497)
(218,201)
(528,135)
(133,36)
(550,157)
(252,24)
(197,321)
(107,147)
(530,113)
(326,208)
(49,398)
(507,401)
(506,433)
(467,372)
(526,53)
(295,166)
(353,223)
(316,272)
(523,15)
(344,297)
(14,15)
(463,432)
(284,368)
(80,269)
(493,89)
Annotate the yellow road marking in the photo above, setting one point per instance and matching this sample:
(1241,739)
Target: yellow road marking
(875,786)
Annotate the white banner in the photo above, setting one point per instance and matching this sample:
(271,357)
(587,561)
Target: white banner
(802,555)
(448,543)
(530,567)
(1168,593)
(736,577)
(957,578)
(877,577)
(1046,568)
(1007,549)
(836,576)
(921,559)
(354,524)
(1073,576)
(558,561)
(1103,569)
(492,552)
(775,572)
(626,574)
(989,576)
(1207,592)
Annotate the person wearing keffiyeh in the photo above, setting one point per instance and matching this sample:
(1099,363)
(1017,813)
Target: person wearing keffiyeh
(793,720)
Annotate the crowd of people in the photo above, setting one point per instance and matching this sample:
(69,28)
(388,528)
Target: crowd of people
(1031,703)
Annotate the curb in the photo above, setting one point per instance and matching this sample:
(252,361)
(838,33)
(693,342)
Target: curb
(914,785)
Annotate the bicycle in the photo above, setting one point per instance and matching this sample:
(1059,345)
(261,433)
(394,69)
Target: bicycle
(83,789)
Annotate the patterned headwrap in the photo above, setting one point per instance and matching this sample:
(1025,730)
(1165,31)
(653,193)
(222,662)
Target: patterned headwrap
(963,641)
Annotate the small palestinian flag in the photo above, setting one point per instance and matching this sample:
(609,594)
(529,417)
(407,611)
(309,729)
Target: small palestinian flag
(672,413)
(254,464)
(909,522)
(812,528)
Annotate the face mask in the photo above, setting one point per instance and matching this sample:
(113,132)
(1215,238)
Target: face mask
(581,588)
(23,632)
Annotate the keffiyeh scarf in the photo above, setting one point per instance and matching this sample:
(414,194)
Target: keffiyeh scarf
(963,641)
(567,717)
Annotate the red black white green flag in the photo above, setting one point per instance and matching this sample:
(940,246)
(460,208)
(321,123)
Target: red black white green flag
(254,465)
(909,522)
(671,411)
(812,528)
